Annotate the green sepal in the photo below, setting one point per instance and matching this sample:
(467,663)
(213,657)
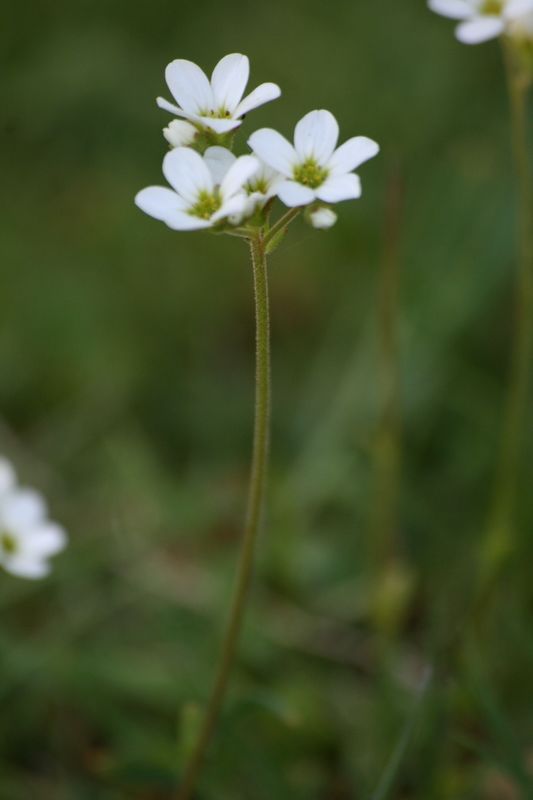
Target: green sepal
(206,138)
(276,240)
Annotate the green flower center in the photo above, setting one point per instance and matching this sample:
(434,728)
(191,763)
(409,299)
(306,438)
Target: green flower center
(8,543)
(310,174)
(206,205)
(260,185)
(492,7)
(218,113)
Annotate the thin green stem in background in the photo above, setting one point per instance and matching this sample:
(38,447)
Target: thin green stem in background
(502,523)
(392,770)
(387,452)
(383,543)
(253,517)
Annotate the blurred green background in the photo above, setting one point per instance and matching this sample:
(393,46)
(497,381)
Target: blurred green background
(126,392)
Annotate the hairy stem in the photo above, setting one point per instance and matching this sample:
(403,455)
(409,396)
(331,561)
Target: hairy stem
(501,533)
(253,518)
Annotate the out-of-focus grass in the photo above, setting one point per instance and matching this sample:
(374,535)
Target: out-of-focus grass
(126,392)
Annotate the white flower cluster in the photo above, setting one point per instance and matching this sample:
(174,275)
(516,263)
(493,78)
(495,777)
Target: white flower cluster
(27,538)
(482,20)
(212,187)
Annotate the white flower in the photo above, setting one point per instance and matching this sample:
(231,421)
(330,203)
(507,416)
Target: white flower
(486,19)
(215,104)
(199,197)
(179,133)
(313,168)
(322,218)
(259,188)
(27,538)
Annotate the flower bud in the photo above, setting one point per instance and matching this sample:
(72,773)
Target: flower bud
(322,218)
(179,133)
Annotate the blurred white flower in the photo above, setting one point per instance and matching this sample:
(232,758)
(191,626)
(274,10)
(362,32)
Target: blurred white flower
(322,218)
(179,133)
(521,26)
(259,188)
(8,477)
(216,104)
(201,195)
(313,169)
(482,20)
(27,538)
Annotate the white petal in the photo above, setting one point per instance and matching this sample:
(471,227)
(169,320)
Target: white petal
(181,221)
(517,8)
(340,187)
(315,136)
(233,205)
(229,80)
(454,9)
(218,125)
(237,175)
(194,119)
(352,154)
(171,107)
(159,202)
(189,86)
(219,160)
(8,477)
(274,149)
(22,508)
(44,541)
(26,567)
(294,194)
(479,29)
(169,207)
(263,94)
(187,173)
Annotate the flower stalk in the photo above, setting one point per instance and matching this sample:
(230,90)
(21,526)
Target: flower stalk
(501,533)
(253,516)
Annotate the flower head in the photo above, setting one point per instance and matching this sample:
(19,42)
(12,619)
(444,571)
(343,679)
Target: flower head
(313,169)
(27,538)
(215,104)
(201,195)
(482,20)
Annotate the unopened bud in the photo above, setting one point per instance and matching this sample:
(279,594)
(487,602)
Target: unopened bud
(179,133)
(322,218)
